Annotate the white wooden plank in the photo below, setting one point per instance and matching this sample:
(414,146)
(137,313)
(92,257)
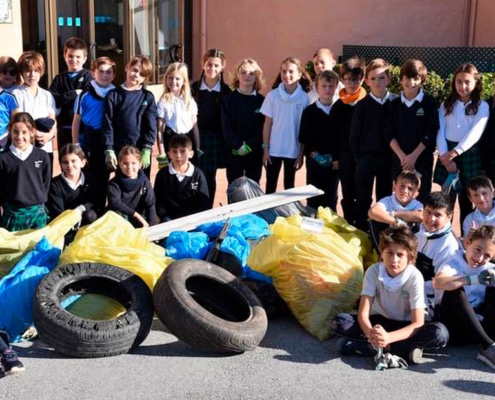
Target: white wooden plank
(249,206)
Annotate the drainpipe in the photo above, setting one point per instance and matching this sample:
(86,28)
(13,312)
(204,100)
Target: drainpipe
(203,28)
(473,14)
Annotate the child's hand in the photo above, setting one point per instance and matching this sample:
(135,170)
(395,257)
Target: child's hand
(335,165)
(141,220)
(299,162)
(42,138)
(379,337)
(111,160)
(266,158)
(146,157)
(162,161)
(408,162)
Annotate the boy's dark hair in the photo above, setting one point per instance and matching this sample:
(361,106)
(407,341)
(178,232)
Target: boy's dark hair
(412,177)
(401,235)
(75,43)
(327,76)
(376,64)
(484,232)
(413,68)
(180,141)
(353,66)
(71,148)
(479,181)
(439,200)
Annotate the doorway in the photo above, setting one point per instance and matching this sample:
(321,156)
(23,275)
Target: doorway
(158,29)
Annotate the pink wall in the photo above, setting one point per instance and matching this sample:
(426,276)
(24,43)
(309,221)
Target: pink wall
(270,30)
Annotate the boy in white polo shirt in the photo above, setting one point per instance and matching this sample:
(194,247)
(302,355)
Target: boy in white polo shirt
(480,192)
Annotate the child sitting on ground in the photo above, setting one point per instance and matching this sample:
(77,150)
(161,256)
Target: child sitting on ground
(130,192)
(467,305)
(181,188)
(480,192)
(8,357)
(436,241)
(399,208)
(72,189)
(391,316)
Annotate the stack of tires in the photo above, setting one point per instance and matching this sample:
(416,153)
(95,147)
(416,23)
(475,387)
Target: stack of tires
(199,302)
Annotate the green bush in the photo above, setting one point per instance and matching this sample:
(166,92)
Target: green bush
(435,85)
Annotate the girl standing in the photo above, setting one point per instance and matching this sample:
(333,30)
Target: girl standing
(282,108)
(208,93)
(25,173)
(177,110)
(129,192)
(242,123)
(72,189)
(463,117)
(35,100)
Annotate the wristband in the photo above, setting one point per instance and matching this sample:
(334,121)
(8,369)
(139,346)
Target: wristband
(265,146)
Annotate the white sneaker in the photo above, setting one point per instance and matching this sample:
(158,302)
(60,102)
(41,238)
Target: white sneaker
(488,356)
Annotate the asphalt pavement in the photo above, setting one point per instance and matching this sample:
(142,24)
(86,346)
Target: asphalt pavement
(289,364)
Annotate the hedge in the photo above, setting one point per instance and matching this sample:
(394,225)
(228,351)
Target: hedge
(435,85)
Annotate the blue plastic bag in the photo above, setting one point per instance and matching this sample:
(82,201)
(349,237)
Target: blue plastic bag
(17,289)
(181,244)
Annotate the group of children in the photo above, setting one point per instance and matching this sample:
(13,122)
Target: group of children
(345,134)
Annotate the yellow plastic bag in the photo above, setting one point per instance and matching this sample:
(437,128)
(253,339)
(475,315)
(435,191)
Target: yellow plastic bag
(113,240)
(317,274)
(13,245)
(350,234)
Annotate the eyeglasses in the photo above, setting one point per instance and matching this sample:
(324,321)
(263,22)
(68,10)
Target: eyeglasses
(11,72)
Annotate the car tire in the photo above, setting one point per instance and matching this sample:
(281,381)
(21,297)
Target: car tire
(208,307)
(87,338)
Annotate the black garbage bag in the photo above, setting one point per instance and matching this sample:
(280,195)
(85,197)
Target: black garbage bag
(244,188)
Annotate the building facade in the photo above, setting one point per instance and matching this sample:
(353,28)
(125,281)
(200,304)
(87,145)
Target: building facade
(266,30)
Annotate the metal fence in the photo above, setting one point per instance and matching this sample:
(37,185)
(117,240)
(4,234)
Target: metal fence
(442,60)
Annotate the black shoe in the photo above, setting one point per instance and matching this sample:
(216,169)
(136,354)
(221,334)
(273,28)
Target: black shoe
(10,363)
(355,348)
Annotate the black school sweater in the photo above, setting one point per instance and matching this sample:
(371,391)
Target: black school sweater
(209,106)
(25,183)
(316,132)
(176,199)
(413,125)
(368,127)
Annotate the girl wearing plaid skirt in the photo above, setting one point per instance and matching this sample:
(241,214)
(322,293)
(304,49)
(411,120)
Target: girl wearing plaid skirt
(463,117)
(25,175)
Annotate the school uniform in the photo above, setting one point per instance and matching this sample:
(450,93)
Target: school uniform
(468,312)
(479,219)
(178,118)
(129,119)
(371,152)
(393,300)
(178,195)
(434,248)
(127,196)
(318,135)
(64,195)
(410,123)
(487,143)
(25,178)
(242,122)
(8,104)
(63,88)
(285,110)
(39,106)
(461,132)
